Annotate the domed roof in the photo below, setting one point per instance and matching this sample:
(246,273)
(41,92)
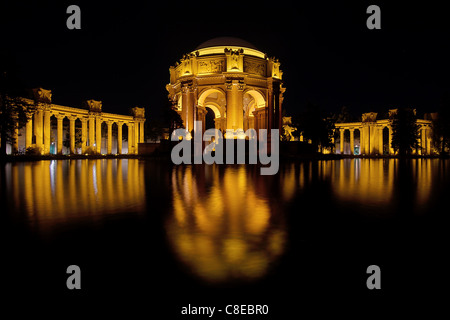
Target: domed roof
(226,41)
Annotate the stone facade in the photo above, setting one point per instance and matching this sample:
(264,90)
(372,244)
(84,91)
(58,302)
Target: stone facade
(371,140)
(38,128)
(241,85)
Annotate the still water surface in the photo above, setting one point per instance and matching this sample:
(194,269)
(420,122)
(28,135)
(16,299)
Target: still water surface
(151,238)
(222,224)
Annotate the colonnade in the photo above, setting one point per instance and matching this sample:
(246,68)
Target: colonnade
(371,137)
(38,127)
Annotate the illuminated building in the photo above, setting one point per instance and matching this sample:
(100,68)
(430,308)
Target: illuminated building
(371,140)
(38,131)
(239,83)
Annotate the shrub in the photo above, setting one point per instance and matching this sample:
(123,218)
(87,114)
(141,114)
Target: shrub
(90,151)
(33,151)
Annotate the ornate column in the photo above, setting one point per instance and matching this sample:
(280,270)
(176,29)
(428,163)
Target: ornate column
(380,141)
(98,131)
(341,146)
(38,127)
(109,141)
(43,100)
(15,145)
(119,136)
(352,141)
(251,122)
(95,121)
(423,140)
(29,131)
(184,105)
(391,150)
(280,104)
(138,128)
(187,103)
(373,141)
(362,146)
(72,133)
(136,136)
(270,106)
(367,146)
(59,132)
(428,141)
(235,113)
(130,138)
(141,131)
(47,130)
(83,134)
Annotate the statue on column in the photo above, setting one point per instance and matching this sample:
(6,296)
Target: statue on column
(288,129)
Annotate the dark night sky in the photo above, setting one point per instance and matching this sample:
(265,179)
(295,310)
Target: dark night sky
(123,52)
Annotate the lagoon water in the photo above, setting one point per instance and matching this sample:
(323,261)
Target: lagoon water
(224,233)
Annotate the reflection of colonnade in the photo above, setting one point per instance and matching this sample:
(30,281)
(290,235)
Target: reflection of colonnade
(67,190)
(371,137)
(38,127)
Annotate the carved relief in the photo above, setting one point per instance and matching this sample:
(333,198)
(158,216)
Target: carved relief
(94,106)
(211,66)
(138,112)
(369,117)
(276,72)
(254,67)
(42,95)
(234,59)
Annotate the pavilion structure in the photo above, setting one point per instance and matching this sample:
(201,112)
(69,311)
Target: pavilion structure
(373,141)
(231,77)
(38,129)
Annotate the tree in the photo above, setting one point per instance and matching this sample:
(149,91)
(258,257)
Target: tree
(14,109)
(171,118)
(316,126)
(344,116)
(405,131)
(78,137)
(441,127)
(154,129)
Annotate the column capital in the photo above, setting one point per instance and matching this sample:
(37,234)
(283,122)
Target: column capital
(29,115)
(239,83)
(83,120)
(59,116)
(109,122)
(72,117)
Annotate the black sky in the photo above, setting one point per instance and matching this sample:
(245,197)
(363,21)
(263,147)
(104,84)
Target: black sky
(123,52)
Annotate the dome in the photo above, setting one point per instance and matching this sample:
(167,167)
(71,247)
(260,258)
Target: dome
(217,45)
(226,41)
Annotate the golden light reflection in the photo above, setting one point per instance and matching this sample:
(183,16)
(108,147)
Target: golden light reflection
(60,191)
(366,182)
(223,228)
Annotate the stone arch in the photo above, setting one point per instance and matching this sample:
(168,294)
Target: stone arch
(215,108)
(257,96)
(206,92)
(219,115)
(248,109)
(218,106)
(257,103)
